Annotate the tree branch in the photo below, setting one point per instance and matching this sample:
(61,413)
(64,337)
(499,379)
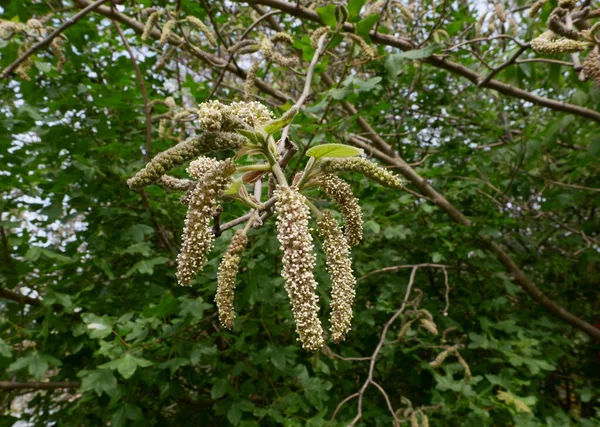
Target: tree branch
(69,22)
(20,298)
(9,385)
(439,62)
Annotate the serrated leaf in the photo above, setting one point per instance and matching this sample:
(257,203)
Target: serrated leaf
(334,150)
(99,380)
(98,327)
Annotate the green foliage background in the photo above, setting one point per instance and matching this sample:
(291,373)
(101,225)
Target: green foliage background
(148,352)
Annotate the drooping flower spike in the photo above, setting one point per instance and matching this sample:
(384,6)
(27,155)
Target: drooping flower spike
(298,263)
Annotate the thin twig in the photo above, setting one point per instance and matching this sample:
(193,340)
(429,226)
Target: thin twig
(501,67)
(140,79)
(307,83)
(401,267)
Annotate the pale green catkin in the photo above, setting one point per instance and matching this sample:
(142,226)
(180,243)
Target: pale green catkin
(250,80)
(365,167)
(152,20)
(366,49)
(167,31)
(316,35)
(243,44)
(549,42)
(176,184)
(181,153)
(341,193)
(228,270)
(201,26)
(197,237)
(298,264)
(339,266)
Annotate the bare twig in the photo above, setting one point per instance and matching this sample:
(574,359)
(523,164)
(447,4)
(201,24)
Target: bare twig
(501,67)
(140,79)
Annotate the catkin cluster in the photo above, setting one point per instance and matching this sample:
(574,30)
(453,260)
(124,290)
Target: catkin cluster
(181,153)
(550,42)
(226,279)
(298,263)
(341,193)
(197,233)
(33,31)
(365,167)
(248,127)
(591,66)
(339,266)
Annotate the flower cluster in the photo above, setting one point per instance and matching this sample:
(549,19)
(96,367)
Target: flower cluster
(199,167)
(298,263)
(248,128)
(226,279)
(550,42)
(339,266)
(340,192)
(365,167)
(33,30)
(182,152)
(591,66)
(197,233)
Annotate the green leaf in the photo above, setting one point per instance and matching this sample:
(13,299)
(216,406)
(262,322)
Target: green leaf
(364,27)
(167,306)
(426,52)
(127,365)
(219,388)
(368,85)
(98,327)
(234,188)
(393,64)
(234,415)
(273,126)
(373,226)
(44,67)
(253,137)
(327,15)
(341,93)
(99,380)
(521,404)
(36,365)
(334,150)
(354,7)
(146,266)
(4,349)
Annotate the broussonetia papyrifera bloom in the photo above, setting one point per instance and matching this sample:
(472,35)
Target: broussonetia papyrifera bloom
(247,130)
